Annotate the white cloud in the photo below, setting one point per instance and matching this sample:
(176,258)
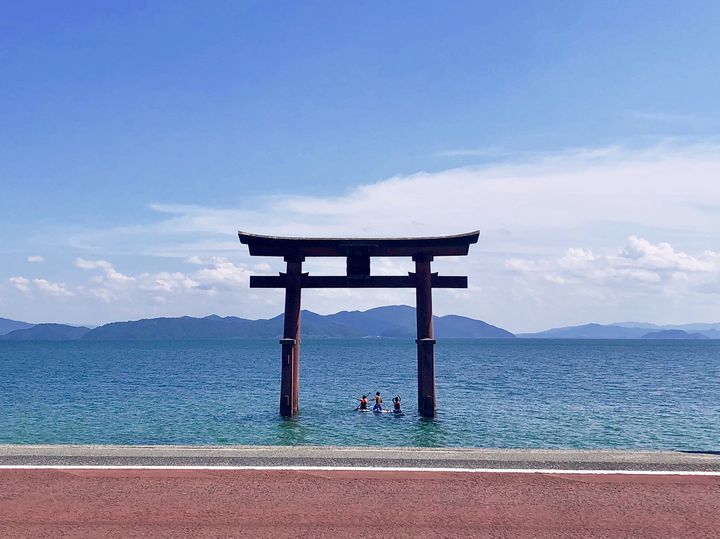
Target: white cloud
(53,289)
(36,259)
(21,283)
(638,263)
(539,203)
(223,274)
(92,264)
(658,188)
(111,285)
(27,286)
(577,258)
(548,252)
(663,257)
(166,282)
(111,274)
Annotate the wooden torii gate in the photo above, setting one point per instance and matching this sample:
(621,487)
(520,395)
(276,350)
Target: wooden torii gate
(358,252)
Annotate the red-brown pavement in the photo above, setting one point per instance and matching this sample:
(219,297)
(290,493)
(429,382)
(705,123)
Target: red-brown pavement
(252,503)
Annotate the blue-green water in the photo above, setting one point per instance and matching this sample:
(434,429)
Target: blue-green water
(500,393)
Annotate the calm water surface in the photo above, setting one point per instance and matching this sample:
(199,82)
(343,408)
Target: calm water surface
(494,393)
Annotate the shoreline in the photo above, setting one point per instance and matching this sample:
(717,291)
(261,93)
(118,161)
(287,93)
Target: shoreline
(342,457)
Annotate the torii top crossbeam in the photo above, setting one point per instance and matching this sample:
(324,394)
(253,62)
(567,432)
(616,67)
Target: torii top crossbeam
(457,245)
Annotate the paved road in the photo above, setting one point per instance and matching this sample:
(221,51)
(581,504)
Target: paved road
(355,456)
(251,503)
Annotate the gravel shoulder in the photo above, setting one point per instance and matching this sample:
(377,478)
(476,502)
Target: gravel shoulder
(284,456)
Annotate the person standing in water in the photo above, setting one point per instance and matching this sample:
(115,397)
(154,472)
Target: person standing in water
(396,405)
(378,402)
(363,403)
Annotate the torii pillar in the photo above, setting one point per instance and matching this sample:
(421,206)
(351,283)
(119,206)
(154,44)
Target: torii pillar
(425,336)
(290,370)
(358,252)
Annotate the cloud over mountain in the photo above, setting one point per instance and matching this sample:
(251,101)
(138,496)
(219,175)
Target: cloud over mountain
(638,263)
(604,234)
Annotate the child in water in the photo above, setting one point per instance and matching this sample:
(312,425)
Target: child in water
(396,405)
(378,403)
(363,403)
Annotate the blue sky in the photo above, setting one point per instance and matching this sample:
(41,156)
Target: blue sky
(141,136)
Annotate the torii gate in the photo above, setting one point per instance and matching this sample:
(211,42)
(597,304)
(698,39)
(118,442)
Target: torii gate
(358,252)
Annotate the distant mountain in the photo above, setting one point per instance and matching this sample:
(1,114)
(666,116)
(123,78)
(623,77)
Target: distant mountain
(711,330)
(645,325)
(7,325)
(169,329)
(696,327)
(214,327)
(46,332)
(674,334)
(453,326)
(588,331)
(623,330)
(392,321)
(400,321)
(317,325)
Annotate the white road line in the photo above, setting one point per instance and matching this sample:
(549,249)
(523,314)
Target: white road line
(363,469)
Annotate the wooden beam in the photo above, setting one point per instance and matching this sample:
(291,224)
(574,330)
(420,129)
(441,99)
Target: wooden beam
(457,245)
(342,281)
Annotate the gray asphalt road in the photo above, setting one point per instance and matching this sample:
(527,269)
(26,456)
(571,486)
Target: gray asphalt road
(106,455)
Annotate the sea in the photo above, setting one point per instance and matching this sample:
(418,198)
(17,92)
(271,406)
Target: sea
(510,393)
